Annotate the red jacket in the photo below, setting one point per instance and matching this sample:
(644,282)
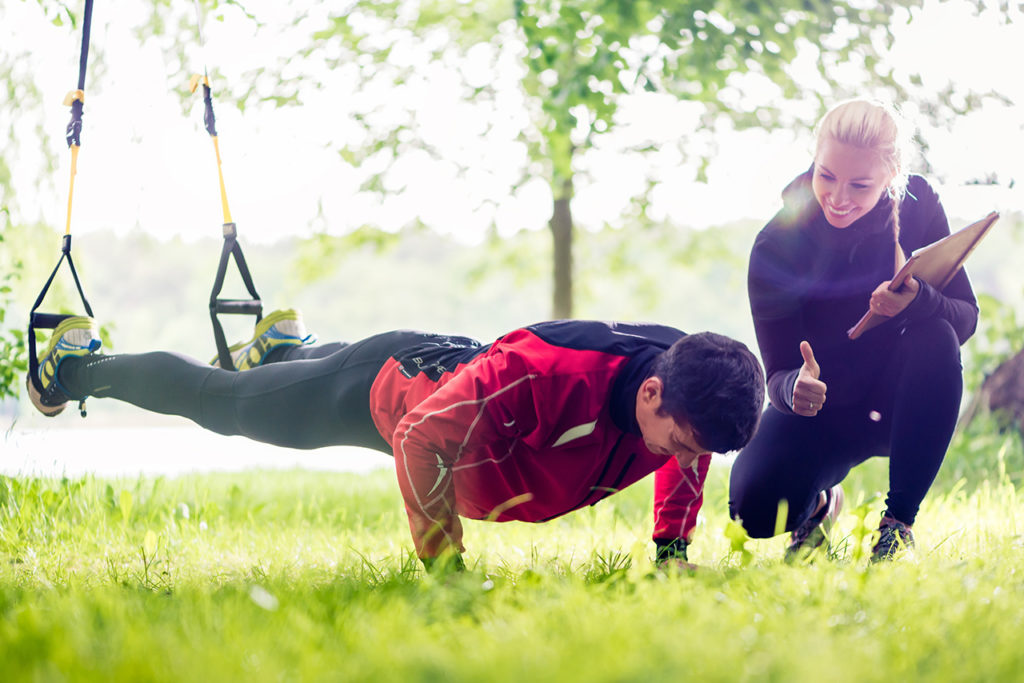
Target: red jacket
(533,426)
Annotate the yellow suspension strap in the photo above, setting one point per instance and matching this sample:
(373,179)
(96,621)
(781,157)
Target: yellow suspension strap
(231,248)
(48,321)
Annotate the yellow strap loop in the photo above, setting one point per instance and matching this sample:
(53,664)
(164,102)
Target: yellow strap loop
(71,186)
(223,190)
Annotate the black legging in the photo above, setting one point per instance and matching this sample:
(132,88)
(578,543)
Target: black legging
(909,417)
(320,398)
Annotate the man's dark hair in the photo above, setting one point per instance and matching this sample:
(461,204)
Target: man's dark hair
(715,384)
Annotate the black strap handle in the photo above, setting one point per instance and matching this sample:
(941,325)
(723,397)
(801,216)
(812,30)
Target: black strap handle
(49,321)
(231,249)
(254,306)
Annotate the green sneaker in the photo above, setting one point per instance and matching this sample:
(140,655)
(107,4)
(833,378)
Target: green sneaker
(75,336)
(280,328)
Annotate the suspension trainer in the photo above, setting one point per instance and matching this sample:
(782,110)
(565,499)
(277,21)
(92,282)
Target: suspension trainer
(231,248)
(48,321)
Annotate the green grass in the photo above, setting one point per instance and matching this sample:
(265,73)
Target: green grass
(304,576)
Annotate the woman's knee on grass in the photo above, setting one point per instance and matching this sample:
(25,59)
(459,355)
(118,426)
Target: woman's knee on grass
(767,511)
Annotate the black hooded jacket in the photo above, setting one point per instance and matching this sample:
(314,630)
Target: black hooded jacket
(810,281)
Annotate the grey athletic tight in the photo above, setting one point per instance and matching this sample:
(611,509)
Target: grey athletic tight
(321,399)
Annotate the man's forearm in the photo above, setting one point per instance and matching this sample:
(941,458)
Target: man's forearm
(435,537)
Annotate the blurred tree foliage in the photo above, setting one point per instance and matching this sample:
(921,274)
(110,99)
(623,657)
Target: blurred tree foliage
(994,366)
(578,58)
(20,98)
(12,339)
(574,63)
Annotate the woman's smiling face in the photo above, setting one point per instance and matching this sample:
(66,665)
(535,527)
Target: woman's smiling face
(848,181)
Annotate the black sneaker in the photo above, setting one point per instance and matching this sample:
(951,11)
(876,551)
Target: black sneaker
(893,536)
(813,532)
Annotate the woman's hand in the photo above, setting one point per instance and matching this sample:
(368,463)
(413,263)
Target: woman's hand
(884,302)
(808,391)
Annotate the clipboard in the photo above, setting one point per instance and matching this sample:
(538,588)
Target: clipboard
(935,264)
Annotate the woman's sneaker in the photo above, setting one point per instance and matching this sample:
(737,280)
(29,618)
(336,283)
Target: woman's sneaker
(280,328)
(75,336)
(893,536)
(813,532)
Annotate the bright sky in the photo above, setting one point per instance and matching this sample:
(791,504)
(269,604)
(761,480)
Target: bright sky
(147,163)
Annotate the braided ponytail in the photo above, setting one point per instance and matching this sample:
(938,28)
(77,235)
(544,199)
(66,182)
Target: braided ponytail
(901,258)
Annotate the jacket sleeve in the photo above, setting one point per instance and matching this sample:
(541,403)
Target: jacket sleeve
(489,402)
(775,310)
(678,496)
(956,303)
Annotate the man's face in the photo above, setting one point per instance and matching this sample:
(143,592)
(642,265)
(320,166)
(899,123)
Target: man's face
(661,433)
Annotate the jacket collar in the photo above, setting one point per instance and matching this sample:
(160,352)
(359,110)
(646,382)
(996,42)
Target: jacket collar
(627,384)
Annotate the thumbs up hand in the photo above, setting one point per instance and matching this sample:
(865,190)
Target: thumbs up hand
(808,391)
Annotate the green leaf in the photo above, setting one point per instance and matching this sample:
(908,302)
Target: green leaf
(124,501)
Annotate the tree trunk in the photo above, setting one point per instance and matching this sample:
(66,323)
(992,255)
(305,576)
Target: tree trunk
(561,233)
(1002,392)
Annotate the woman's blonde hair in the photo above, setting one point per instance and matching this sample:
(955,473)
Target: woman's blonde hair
(874,126)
